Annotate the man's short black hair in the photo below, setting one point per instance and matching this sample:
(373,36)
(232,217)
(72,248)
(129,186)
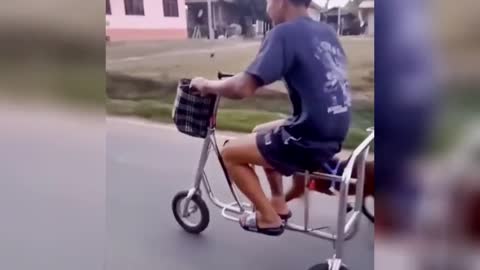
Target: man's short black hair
(301,2)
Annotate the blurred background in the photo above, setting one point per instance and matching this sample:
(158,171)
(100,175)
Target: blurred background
(150,45)
(46,46)
(61,70)
(146,55)
(427,143)
(52,162)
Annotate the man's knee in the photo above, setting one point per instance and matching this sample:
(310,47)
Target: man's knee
(227,154)
(241,151)
(230,155)
(267,126)
(260,128)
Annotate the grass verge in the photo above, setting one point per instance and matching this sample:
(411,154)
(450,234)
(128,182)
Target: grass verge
(237,120)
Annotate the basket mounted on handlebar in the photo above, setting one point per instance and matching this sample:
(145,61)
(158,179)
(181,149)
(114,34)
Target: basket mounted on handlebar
(193,114)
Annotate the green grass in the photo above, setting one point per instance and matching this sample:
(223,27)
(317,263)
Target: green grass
(227,119)
(237,120)
(160,60)
(79,84)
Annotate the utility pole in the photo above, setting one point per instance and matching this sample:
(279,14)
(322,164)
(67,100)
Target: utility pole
(210,24)
(339,20)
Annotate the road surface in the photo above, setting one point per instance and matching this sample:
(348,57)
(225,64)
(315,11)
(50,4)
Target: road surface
(52,189)
(147,164)
(73,198)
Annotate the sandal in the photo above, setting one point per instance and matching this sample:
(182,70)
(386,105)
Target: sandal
(285,217)
(249,223)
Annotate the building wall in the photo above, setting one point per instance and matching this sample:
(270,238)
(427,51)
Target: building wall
(368,15)
(152,26)
(371,23)
(314,14)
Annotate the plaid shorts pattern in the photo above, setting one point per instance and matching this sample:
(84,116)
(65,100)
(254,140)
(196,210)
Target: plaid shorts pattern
(192,113)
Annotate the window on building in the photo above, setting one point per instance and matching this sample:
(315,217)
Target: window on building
(109,11)
(134,7)
(170,8)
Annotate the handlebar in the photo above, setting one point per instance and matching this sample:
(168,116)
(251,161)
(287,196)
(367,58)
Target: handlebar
(221,75)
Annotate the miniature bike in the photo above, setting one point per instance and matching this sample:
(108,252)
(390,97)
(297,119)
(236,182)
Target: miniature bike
(195,116)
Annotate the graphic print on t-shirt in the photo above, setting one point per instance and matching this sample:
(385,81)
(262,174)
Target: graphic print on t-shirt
(336,85)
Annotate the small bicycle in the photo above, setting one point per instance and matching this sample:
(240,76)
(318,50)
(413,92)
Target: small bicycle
(196,116)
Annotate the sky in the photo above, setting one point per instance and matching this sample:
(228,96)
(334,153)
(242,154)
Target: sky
(333,3)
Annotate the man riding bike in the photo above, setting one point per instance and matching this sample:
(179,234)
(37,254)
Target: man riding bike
(308,56)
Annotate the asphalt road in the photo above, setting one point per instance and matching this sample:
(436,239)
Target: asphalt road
(57,211)
(52,189)
(147,165)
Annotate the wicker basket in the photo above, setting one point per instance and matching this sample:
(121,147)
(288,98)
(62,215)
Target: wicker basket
(192,113)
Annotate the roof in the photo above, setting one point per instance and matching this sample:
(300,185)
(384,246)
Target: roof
(315,6)
(334,12)
(205,1)
(349,8)
(367,4)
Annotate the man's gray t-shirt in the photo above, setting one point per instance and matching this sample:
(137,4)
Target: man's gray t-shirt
(308,56)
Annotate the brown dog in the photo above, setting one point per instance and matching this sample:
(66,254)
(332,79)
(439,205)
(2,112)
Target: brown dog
(298,188)
(323,186)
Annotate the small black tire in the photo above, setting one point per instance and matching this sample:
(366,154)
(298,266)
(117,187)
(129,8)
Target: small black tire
(349,207)
(325,266)
(367,213)
(202,207)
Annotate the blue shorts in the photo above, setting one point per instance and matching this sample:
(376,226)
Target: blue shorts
(288,155)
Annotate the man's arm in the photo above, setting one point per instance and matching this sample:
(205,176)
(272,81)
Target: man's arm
(239,86)
(270,64)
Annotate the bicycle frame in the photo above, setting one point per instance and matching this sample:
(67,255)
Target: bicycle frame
(345,229)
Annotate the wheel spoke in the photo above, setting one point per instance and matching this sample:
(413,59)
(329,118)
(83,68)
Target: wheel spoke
(196,216)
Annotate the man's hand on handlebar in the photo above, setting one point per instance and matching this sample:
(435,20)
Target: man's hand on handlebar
(199,85)
(239,86)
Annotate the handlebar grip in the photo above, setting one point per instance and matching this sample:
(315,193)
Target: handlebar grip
(222,75)
(193,90)
(184,84)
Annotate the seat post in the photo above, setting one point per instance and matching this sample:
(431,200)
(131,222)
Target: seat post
(306,197)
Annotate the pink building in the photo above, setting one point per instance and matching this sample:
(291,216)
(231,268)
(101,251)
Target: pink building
(145,20)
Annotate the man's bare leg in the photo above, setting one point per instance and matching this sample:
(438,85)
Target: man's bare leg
(274,178)
(238,155)
(276,187)
(297,189)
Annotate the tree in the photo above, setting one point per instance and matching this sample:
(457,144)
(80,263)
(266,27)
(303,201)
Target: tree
(251,10)
(326,4)
(358,1)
